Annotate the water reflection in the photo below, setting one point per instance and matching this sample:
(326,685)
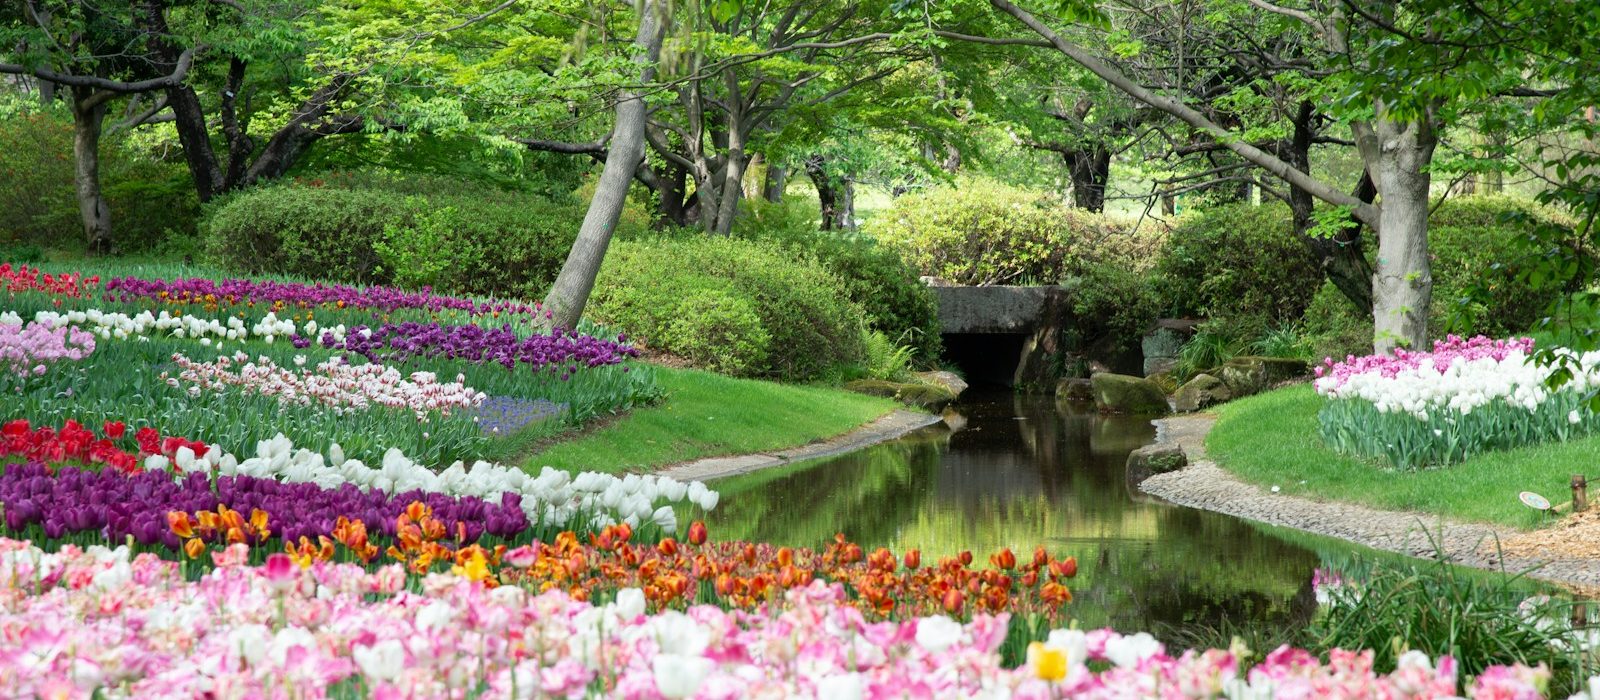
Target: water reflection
(1028,471)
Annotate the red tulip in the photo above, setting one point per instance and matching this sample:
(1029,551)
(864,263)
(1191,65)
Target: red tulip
(697,533)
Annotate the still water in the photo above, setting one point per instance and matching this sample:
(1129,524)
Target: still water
(1026,471)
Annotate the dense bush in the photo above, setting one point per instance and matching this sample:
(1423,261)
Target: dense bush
(407,231)
(887,288)
(741,307)
(152,200)
(983,232)
(1238,265)
(1476,247)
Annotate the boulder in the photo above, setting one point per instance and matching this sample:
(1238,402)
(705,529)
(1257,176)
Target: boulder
(1155,459)
(1251,375)
(1202,391)
(1120,393)
(952,383)
(925,396)
(1075,389)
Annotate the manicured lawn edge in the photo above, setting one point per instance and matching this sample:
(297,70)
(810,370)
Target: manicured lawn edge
(1271,439)
(710,415)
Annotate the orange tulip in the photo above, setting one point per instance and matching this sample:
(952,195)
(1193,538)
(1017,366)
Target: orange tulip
(1040,557)
(1066,568)
(966,558)
(1004,559)
(953,601)
(668,547)
(179,522)
(913,559)
(194,548)
(697,533)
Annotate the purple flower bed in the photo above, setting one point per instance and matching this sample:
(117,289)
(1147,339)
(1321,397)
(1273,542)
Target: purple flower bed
(268,292)
(397,342)
(113,505)
(504,415)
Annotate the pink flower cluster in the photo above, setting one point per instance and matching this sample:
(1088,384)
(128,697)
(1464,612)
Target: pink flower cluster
(27,349)
(1452,349)
(80,622)
(332,383)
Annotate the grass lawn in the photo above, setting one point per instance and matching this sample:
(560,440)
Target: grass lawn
(1271,439)
(709,415)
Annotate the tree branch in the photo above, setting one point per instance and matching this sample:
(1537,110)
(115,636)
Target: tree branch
(1321,190)
(179,72)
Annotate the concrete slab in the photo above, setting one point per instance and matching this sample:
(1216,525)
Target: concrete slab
(885,428)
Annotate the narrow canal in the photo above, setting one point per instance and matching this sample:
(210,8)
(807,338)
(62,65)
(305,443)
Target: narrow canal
(1029,470)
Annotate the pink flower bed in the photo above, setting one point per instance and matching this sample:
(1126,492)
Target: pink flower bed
(28,349)
(332,383)
(79,622)
(1445,353)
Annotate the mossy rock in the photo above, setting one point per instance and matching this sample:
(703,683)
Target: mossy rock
(1252,375)
(1121,393)
(1201,391)
(925,396)
(1154,459)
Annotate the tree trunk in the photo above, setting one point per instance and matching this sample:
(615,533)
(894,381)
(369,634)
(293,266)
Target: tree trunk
(88,115)
(827,193)
(732,179)
(47,93)
(189,118)
(1397,156)
(776,181)
(570,293)
(847,213)
(1090,170)
(673,210)
(1339,254)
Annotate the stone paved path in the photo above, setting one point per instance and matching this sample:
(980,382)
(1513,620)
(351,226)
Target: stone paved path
(887,427)
(1205,485)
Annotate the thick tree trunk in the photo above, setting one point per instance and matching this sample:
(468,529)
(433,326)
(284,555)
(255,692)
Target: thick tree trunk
(1339,254)
(847,213)
(732,179)
(88,115)
(673,210)
(1397,156)
(776,181)
(189,118)
(564,305)
(1090,170)
(47,93)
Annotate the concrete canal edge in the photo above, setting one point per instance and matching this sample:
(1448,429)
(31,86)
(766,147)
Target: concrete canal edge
(887,427)
(1206,486)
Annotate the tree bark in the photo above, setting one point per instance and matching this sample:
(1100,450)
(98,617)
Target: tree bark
(88,115)
(732,179)
(1090,171)
(1397,155)
(570,293)
(776,181)
(1339,255)
(827,193)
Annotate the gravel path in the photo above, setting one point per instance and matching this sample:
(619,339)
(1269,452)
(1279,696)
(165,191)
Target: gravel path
(885,428)
(1206,486)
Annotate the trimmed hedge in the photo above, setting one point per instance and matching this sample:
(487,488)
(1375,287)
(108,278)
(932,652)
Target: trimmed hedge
(410,232)
(740,307)
(982,232)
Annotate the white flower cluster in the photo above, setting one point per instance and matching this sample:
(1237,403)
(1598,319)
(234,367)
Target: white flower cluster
(1464,386)
(115,324)
(333,383)
(554,497)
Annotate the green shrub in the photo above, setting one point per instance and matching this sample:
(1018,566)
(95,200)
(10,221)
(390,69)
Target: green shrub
(405,231)
(1476,245)
(897,303)
(1111,301)
(656,286)
(983,232)
(1334,328)
(1239,265)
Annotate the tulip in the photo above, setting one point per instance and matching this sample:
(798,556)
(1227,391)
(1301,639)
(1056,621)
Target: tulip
(697,533)
(953,601)
(1004,559)
(279,571)
(913,559)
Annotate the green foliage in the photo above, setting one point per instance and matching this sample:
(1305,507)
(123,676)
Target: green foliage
(406,231)
(875,276)
(1481,254)
(886,359)
(983,232)
(1208,349)
(1111,301)
(1288,340)
(1240,265)
(1333,327)
(1439,609)
(152,201)
(656,286)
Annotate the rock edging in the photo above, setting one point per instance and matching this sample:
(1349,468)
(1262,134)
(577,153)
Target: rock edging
(887,427)
(1206,486)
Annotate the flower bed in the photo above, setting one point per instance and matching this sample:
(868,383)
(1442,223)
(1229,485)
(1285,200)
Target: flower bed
(566,351)
(21,278)
(1465,397)
(104,622)
(27,349)
(332,383)
(214,293)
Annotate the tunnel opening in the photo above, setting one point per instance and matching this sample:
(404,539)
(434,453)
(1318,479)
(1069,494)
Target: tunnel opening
(985,359)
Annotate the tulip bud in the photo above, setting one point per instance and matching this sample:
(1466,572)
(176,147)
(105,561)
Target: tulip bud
(697,533)
(953,601)
(913,559)
(668,547)
(966,558)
